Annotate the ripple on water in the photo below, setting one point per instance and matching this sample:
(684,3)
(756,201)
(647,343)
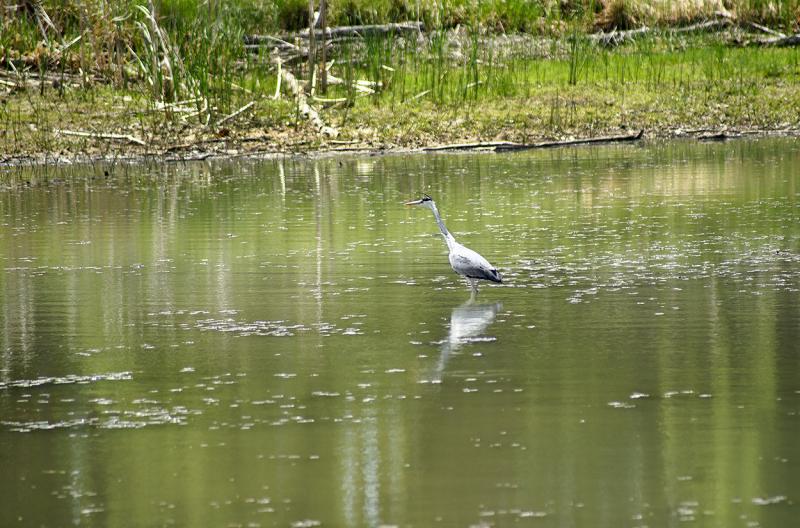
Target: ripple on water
(68,379)
(128,419)
(244,328)
(274,328)
(761,267)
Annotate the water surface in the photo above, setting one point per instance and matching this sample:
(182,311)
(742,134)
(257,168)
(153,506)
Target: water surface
(283,344)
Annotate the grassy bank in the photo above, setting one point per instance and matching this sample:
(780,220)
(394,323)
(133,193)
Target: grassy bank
(109,79)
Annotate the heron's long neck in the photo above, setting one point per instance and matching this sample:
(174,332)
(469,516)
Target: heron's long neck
(445,233)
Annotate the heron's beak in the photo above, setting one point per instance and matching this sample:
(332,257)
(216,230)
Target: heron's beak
(414,202)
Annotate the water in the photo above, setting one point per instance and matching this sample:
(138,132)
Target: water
(283,344)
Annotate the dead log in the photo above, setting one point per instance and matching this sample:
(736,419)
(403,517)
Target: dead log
(570,142)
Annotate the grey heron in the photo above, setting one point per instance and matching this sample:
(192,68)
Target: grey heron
(464,261)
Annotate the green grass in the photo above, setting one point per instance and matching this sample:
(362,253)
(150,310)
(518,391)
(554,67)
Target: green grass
(649,64)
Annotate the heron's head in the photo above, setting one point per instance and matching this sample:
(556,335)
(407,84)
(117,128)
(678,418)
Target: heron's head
(425,201)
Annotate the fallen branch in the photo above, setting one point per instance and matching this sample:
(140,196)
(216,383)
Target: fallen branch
(236,113)
(368,30)
(719,136)
(97,135)
(615,38)
(570,142)
(34,79)
(471,146)
(765,29)
(329,101)
(703,26)
(302,104)
(256,41)
(791,40)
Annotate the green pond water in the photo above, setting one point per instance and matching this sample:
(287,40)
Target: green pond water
(282,343)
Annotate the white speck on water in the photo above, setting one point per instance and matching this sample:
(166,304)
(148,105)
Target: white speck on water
(306,523)
(765,501)
(325,394)
(532,514)
(620,405)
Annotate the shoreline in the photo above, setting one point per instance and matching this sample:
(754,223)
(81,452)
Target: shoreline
(234,149)
(706,75)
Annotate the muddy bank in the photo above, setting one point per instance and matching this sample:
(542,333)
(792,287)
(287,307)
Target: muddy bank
(255,145)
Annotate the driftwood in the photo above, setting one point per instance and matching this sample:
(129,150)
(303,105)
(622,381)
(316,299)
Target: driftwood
(338,32)
(571,142)
(302,103)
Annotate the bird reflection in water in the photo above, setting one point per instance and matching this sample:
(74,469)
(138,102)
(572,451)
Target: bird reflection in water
(467,322)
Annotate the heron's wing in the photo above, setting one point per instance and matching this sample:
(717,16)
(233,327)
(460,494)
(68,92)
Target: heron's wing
(470,264)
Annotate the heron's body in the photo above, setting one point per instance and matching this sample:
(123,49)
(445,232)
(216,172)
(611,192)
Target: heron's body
(464,261)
